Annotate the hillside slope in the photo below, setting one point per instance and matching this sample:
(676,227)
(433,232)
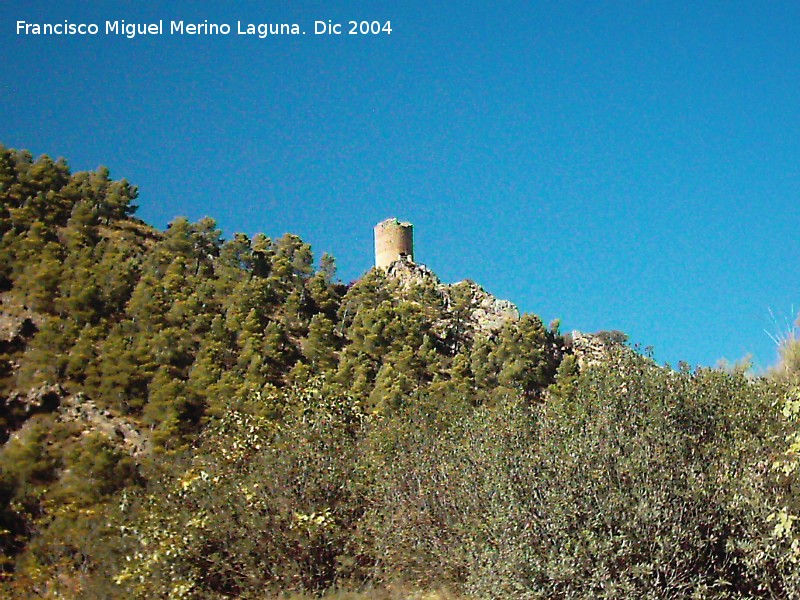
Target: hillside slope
(188,416)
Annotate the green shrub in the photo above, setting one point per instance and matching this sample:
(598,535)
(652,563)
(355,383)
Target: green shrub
(259,506)
(635,482)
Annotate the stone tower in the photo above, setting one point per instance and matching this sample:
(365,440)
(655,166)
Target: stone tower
(393,241)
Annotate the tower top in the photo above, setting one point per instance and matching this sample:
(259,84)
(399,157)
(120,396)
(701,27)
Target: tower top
(394,240)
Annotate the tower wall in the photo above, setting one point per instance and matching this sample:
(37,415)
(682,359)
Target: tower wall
(393,240)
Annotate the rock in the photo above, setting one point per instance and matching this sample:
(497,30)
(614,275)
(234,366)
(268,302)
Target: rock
(45,398)
(17,327)
(411,274)
(484,313)
(81,409)
(17,322)
(489,313)
(14,329)
(591,349)
(77,408)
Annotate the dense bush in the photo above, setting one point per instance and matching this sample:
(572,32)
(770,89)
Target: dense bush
(254,507)
(640,483)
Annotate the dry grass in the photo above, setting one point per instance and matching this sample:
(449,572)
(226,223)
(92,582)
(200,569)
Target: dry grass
(787,339)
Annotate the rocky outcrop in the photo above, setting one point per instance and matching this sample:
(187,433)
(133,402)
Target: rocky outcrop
(46,398)
(477,310)
(603,347)
(17,323)
(20,407)
(410,274)
(488,314)
(79,408)
(15,329)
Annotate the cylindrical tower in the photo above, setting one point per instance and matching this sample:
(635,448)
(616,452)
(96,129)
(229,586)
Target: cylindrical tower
(393,241)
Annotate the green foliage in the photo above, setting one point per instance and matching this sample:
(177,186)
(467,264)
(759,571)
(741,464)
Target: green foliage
(637,482)
(306,436)
(787,473)
(257,506)
(522,359)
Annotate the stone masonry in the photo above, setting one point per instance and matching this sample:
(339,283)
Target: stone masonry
(393,241)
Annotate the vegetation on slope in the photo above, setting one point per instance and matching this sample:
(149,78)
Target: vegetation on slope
(301,436)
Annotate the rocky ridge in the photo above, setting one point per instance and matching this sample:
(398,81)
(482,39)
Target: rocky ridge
(484,313)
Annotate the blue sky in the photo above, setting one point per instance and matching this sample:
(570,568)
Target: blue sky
(617,165)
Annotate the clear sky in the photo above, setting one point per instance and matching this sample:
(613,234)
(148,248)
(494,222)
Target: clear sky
(617,165)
